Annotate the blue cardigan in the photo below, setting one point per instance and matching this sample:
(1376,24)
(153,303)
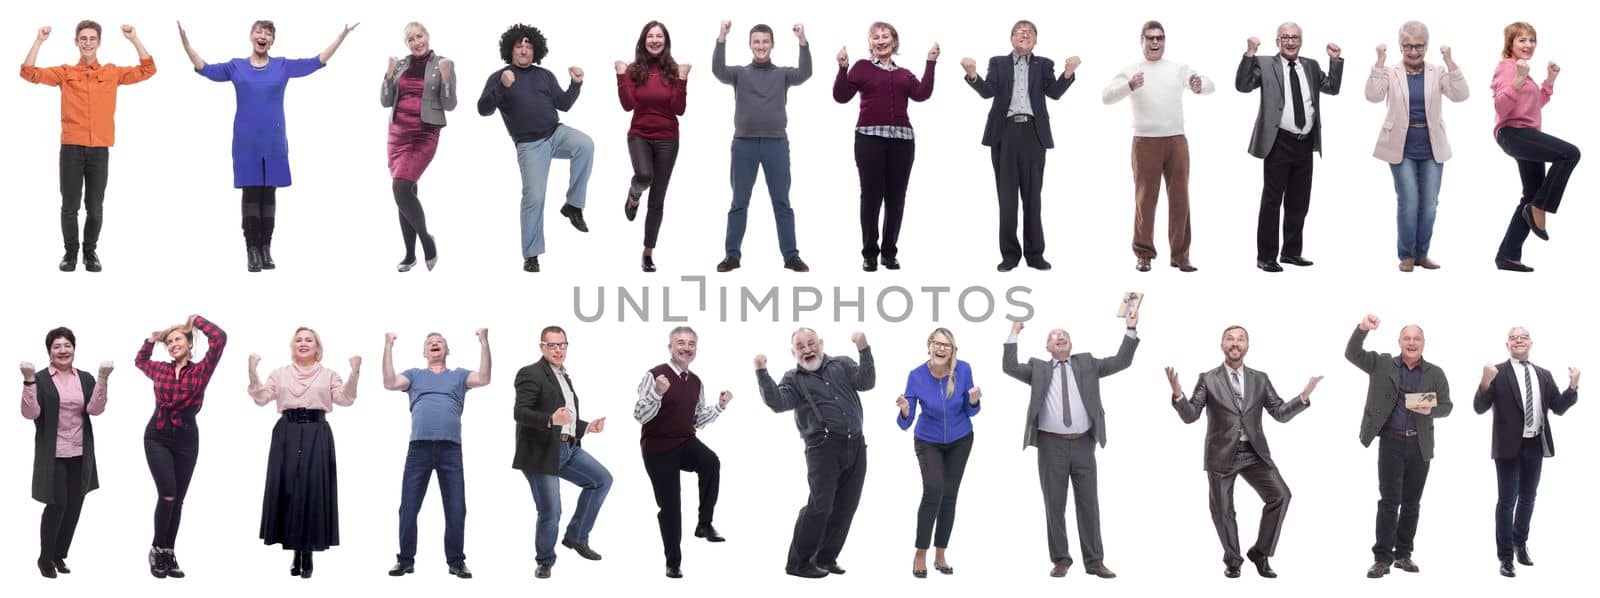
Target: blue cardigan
(944,420)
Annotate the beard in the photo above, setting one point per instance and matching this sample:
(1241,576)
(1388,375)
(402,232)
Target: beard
(813,364)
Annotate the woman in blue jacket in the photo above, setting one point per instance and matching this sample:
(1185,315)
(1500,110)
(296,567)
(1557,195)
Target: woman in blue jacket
(942,388)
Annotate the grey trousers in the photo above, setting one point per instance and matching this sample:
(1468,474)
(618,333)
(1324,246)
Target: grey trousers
(1062,461)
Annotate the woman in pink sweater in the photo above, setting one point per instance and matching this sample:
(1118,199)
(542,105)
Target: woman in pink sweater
(656,89)
(1517,106)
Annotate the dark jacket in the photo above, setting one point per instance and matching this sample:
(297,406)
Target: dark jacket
(1506,398)
(834,407)
(538,439)
(1383,392)
(1042,82)
(1213,394)
(44,439)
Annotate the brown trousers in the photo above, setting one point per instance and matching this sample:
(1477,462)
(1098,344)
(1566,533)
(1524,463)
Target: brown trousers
(1154,157)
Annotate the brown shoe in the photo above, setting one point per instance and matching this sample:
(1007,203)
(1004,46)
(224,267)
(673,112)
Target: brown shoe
(1143,265)
(1427,263)
(1100,571)
(1406,565)
(1407,265)
(1379,569)
(1060,570)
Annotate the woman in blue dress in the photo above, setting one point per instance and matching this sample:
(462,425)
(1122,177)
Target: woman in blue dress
(260,147)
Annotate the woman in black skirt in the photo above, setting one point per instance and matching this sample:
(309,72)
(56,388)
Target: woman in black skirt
(300,507)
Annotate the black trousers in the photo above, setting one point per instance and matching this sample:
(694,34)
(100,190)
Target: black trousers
(836,467)
(60,518)
(171,453)
(412,221)
(1019,174)
(1274,493)
(258,207)
(83,182)
(1518,481)
(653,160)
(942,466)
(1402,473)
(1285,183)
(663,468)
(884,166)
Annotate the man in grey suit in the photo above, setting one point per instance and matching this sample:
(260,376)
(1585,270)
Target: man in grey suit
(1065,421)
(1398,411)
(1233,398)
(1288,129)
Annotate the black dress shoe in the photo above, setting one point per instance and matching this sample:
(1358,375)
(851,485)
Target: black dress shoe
(794,263)
(647,264)
(60,565)
(808,572)
(530,264)
(1006,266)
(461,571)
(728,264)
(1263,568)
(709,533)
(891,263)
(1507,569)
(1407,565)
(49,570)
(1522,557)
(1232,572)
(1511,266)
(266,257)
(542,572)
(1527,217)
(91,262)
(1039,264)
(575,216)
(583,550)
(401,568)
(1378,569)
(673,572)
(1268,266)
(1294,260)
(869,265)
(252,258)
(1184,266)
(69,260)
(630,208)
(833,568)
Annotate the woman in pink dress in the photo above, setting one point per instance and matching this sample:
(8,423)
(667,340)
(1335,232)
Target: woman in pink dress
(420,88)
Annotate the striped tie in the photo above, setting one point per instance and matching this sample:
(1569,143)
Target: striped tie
(1527,404)
(1238,391)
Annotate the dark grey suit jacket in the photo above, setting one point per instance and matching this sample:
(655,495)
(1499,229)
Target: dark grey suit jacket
(1086,370)
(1383,392)
(1505,397)
(539,439)
(1042,82)
(1213,394)
(1266,72)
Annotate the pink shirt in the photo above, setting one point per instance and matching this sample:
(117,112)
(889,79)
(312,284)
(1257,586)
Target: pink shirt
(295,387)
(69,421)
(1517,107)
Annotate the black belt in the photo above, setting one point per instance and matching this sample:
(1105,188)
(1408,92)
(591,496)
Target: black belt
(1421,125)
(1020,118)
(566,438)
(1405,433)
(1293,135)
(1064,436)
(303,416)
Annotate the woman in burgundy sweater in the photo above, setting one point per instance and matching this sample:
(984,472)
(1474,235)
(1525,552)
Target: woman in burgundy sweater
(885,144)
(655,88)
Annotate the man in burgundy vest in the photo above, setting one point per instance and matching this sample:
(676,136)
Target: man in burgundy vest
(671,406)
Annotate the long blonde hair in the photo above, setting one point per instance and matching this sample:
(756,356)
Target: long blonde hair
(950,381)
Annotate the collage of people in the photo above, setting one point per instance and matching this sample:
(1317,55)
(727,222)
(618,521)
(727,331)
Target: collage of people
(685,314)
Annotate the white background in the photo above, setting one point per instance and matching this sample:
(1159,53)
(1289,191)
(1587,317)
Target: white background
(172,247)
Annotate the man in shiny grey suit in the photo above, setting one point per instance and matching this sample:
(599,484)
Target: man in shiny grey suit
(1233,398)
(1288,129)
(1065,421)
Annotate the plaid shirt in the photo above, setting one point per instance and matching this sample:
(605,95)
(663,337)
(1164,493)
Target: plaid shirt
(177,391)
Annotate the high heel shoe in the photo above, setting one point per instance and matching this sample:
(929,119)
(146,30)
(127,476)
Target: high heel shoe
(305,564)
(648,264)
(945,569)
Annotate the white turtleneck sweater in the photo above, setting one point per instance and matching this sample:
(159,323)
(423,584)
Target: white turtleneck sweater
(1158,104)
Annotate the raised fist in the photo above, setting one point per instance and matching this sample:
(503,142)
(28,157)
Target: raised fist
(800,32)
(393,62)
(507,77)
(446,67)
(622,67)
(1369,323)
(722,33)
(1522,69)
(1383,54)
(860,339)
(44,33)
(1016,327)
(723,399)
(1195,84)
(355,362)
(27,371)
(843,57)
(1251,45)
(975,394)
(683,70)
(761,362)
(1333,52)
(127,32)
(255,360)
(388,338)
(1489,372)
(576,74)
(662,384)
(933,53)
(1072,66)
(597,426)
(561,417)
(970,66)
(106,367)
(483,335)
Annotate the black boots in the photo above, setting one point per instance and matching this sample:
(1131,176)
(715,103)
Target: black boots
(302,564)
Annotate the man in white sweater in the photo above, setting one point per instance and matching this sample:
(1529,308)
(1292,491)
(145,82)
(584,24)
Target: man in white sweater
(1155,86)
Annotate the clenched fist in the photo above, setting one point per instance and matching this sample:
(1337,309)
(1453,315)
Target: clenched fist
(1136,81)
(971,67)
(683,70)
(860,339)
(28,371)
(507,77)
(1369,323)
(722,33)
(662,384)
(1072,66)
(576,74)
(933,53)
(44,33)
(355,362)
(597,426)
(1489,372)
(723,399)
(622,67)
(1251,45)
(843,57)
(106,367)
(388,339)
(255,360)
(761,362)
(1333,53)
(904,405)
(561,417)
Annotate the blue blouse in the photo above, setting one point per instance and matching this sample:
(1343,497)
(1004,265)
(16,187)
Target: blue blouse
(944,419)
(1418,146)
(260,145)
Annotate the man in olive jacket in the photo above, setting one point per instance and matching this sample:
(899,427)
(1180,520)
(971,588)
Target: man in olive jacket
(1401,412)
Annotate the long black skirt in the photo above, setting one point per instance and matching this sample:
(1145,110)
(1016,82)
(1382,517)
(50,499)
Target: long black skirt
(300,508)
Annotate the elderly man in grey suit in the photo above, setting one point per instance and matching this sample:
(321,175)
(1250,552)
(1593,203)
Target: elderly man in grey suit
(1288,129)
(1065,421)
(1233,398)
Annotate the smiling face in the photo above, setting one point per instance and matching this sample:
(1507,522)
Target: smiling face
(417,40)
(760,46)
(88,43)
(1023,37)
(553,345)
(1523,45)
(941,349)
(884,42)
(655,40)
(522,54)
(1289,40)
(1411,343)
(1059,344)
(1413,49)
(1154,43)
(807,350)
(178,345)
(683,347)
(305,347)
(1518,343)
(61,353)
(261,38)
(435,349)
(1235,344)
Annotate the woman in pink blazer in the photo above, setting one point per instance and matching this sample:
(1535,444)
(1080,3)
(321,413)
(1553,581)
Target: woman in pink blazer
(1412,140)
(1518,109)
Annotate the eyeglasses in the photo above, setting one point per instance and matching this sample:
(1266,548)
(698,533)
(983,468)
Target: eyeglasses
(554,346)
(1519,337)
(1414,47)
(1155,38)
(941,345)
(1288,38)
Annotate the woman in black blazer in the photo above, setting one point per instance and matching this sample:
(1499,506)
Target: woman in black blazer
(63,460)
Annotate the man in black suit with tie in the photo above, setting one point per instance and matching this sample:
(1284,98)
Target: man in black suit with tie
(1018,133)
(1065,421)
(1288,129)
(1522,395)
(1233,398)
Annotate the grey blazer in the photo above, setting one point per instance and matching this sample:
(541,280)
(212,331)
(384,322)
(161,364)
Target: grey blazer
(437,96)
(1266,72)
(1213,394)
(1086,370)
(1383,392)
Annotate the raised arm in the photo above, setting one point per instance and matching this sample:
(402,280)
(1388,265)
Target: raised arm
(216,341)
(447,84)
(649,403)
(1453,85)
(719,58)
(1335,75)
(865,375)
(1353,351)
(978,84)
(1248,77)
(1117,89)
(565,98)
(778,397)
(494,90)
(390,88)
(924,88)
(1123,358)
(1189,408)
(481,376)
(33,56)
(343,392)
(1055,86)
(843,87)
(1569,397)
(391,380)
(262,393)
(1483,397)
(194,57)
(327,54)
(1282,410)
(30,392)
(138,46)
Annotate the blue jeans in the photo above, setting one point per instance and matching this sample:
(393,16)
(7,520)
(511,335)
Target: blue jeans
(749,155)
(1416,188)
(579,467)
(533,159)
(424,458)
(1532,149)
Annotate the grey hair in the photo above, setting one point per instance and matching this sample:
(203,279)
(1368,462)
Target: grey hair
(1414,29)
(1289,25)
(801,329)
(682,329)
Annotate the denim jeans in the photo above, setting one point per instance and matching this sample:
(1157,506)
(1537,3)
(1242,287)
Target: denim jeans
(749,155)
(533,160)
(1416,188)
(1518,479)
(579,467)
(424,458)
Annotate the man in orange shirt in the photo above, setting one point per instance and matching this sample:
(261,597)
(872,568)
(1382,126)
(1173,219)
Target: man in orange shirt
(88,108)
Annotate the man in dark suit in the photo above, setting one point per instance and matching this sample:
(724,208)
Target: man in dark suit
(1400,410)
(1288,129)
(1233,398)
(1522,396)
(550,449)
(1017,133)
(1065,421)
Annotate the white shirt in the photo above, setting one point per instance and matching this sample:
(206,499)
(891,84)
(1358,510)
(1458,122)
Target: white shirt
(571,428)
(1158,104)
(1287,122)
(1518,370)
(1050,417)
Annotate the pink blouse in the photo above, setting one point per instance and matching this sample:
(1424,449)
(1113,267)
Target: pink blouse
(1517,107)
(295,387)
(69,421)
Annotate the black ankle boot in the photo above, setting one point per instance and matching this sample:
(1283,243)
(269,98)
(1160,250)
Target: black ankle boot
(69,260)
(91,261)
(266,257)
(253,258)
(305,564)
(294,569)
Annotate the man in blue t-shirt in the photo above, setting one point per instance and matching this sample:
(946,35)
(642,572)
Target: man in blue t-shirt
(437,395)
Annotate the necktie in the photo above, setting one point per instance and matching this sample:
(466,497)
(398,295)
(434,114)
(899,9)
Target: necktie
(1527,401)
(1066,402)
(1238,391)
(1299,100)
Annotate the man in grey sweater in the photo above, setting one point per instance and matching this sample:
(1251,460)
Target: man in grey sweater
(760,140)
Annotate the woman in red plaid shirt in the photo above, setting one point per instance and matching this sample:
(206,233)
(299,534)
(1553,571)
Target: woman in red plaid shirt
(172,439)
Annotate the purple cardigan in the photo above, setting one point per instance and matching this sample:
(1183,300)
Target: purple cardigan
(883,93)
